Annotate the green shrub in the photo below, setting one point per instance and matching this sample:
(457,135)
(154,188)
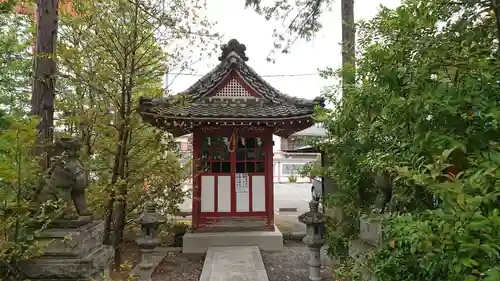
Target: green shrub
(458,240)
(424,115)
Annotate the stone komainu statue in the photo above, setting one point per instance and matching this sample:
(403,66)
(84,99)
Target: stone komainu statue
(66,180)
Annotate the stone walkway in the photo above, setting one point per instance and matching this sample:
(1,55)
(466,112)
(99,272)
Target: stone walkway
(233,264)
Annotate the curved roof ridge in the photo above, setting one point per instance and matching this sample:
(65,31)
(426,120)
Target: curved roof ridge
(285,97)
(206,84)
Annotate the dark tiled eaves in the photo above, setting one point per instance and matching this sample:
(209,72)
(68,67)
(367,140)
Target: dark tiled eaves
(232,110)
(194,102)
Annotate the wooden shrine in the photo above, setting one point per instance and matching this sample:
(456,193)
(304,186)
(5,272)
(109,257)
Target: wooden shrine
(233,114)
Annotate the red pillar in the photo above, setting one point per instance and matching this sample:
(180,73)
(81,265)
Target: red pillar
(195,202)
(269,181)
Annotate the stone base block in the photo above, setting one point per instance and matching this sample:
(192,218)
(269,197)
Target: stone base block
(357,248)
(94,266)
(74,253)
(74,242)
(370,231)
(265,240)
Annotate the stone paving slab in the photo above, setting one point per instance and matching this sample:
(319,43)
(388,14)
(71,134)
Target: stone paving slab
(235,263)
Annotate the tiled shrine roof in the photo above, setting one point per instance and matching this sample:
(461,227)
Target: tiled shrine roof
(231,90)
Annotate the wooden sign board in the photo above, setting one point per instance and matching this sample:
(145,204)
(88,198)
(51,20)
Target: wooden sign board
(241,180)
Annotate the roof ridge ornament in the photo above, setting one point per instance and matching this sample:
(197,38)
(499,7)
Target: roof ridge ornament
(233,46)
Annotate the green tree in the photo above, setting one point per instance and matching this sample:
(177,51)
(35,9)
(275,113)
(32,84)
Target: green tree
(423,116)
(6,7)
(18,168)
(302,20)
(19,172)
(16,38)
(111,55)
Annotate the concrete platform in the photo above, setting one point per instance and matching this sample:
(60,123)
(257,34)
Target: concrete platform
(233,264)
(264,240)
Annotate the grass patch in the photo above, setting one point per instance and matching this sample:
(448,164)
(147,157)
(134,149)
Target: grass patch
(285,226)
(186,222)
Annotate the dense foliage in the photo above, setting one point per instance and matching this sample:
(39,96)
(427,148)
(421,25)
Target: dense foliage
(108,53)
(19,172)
(417,137)
(18,168)
(15,62)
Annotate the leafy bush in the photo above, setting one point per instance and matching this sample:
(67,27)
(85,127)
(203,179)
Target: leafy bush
(419,132)
(292,178)
(18,175)
(459,238)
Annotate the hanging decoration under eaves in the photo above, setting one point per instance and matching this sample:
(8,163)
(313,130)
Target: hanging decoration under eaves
(233,141)
(247,123)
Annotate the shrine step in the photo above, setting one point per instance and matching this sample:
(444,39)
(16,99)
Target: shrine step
(200,242)
(233,263)
(233,228)
(228,224)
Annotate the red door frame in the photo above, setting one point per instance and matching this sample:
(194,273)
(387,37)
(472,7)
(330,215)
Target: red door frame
(243,131)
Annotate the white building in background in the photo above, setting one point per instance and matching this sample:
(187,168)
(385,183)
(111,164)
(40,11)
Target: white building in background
(286,160)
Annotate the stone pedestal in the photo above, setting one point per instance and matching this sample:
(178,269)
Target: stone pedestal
(150,221)
(326,259)
(314,239)
(75,253)
(370,237)
(147,266)
(314,263)
(370,231)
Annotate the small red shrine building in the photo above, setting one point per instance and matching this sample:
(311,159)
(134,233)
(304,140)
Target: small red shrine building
(233,114)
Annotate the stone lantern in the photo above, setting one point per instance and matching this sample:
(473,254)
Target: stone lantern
(314,239)
(150,221)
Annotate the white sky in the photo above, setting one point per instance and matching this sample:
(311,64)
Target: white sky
(251,29)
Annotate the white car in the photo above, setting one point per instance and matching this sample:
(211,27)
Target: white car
(317,188)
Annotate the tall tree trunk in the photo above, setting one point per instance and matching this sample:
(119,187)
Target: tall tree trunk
(42,98)
(348,44)
(126,112)
(89,127)
(111,192)
(121,200)
(121,126)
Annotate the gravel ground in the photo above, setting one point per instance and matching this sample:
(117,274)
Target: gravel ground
(290,264)
(179,267)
